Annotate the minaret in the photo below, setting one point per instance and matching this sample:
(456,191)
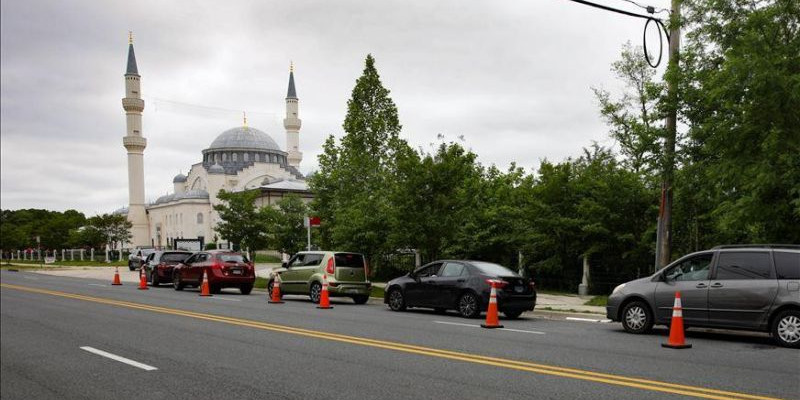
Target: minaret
(135,143)
(292,124)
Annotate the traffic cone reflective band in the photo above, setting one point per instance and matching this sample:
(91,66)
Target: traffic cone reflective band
(324,300)
(492,320)
(142,279)
(676,337)
(116,281)
(276,291)
(204,289)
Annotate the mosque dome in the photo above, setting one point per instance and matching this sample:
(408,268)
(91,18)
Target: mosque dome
(244,138)
(180,178)
(216,169)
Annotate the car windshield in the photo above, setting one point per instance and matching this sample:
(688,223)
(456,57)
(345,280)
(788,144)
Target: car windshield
(232,258)
(493,269)
(179,257)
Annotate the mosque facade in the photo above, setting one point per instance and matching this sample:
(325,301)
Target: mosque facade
(240,158)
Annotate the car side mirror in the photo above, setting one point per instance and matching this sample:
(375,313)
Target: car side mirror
(285,264)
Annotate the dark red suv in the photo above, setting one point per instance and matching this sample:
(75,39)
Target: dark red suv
(225,269)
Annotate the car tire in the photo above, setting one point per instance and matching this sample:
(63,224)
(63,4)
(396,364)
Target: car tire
(131,267)
(177,284)
(154,279)
(469,305)
(397,302)
(637,317)
(360,299)
(246,289)
(512,314)
(786,328)
(316,292)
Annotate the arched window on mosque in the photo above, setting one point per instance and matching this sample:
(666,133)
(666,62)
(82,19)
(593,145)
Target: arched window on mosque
(199,218)
(246,157)
(235,157)
(224,156)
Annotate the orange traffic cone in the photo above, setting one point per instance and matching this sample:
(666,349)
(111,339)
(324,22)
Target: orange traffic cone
(276,291)
(204,289)
(142,279)
(116,281)
(492,320)
(324,300)
(676,337)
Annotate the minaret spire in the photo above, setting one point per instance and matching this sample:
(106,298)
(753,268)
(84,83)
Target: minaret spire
(135,144)
(292,123)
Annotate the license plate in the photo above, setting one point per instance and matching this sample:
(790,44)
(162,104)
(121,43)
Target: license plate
(236,271)
(519,289)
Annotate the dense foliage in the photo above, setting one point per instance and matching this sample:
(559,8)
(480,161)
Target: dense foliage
(60,230)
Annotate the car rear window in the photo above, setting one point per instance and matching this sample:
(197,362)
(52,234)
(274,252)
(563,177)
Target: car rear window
(232,258)
(744,265)
(179,257)
(493,269)
(349,260)
(787,265)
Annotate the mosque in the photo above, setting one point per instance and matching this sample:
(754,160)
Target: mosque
(240,158)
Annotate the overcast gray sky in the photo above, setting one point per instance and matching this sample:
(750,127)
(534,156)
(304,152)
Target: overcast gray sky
(513,77)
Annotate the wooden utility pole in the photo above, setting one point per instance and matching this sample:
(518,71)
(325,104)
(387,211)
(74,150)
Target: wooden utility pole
(664,234)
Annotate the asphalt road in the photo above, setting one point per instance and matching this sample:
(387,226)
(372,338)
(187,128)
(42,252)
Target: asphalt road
(235,346)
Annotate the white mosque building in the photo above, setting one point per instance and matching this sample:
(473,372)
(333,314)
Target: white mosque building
(241,158)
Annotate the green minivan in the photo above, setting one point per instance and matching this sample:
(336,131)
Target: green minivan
(347,274)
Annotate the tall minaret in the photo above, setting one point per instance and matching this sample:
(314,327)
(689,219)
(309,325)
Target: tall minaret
(135,143)
(292,124)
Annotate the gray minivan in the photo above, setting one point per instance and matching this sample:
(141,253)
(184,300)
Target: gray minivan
(752,287)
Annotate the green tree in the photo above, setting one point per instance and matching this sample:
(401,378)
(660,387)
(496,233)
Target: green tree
(288,233)
(741,98)
(240,221)
(115,229)
(354,179)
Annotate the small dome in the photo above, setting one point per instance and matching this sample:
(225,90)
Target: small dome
(192,194)
(216,169)
(244,137)
(180,178)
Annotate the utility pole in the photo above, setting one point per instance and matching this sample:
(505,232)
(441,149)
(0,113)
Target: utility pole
(664,234)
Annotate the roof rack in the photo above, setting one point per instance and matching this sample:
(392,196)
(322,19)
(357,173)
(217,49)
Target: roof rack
(758,246)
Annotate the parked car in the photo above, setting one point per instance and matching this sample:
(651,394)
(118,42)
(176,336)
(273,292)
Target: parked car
(137,257)
(461,285)
(224,268)
(347,275)
(159,264)
(752,287)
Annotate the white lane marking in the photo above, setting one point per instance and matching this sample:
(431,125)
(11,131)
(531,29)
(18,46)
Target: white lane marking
(478,326)
(119,358)
(97,284)
(223,298)
(588,320)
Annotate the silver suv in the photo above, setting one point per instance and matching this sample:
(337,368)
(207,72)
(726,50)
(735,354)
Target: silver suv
(752,287)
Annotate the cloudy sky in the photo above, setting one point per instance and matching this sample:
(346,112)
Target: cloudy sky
(513,77)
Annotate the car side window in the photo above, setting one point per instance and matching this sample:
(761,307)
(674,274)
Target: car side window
(190,260)
(429,270)
(297,260)
(693,269)
(312,259)
(743,265)
(452,269)
(787,265)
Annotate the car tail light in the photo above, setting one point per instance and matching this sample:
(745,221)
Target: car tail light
(366,269)
(216,265)
(329,268)
(533,285)
(498,283)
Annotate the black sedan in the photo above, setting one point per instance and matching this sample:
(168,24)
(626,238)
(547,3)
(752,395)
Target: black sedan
(463,286)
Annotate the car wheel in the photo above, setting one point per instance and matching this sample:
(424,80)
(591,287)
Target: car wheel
(154,278)
(176,282)
(246,289)
(397,302)
(637,317)
(316,292)
(512,314)
(130,267)
(786,328)
(361,299)
(469,306)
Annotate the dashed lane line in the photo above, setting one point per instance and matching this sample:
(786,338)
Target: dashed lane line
(119,358)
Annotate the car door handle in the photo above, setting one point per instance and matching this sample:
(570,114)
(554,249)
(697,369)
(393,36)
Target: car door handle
(701,285)
(716,284)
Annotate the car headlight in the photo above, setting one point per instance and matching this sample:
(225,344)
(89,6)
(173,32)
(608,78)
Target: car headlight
(618,288)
